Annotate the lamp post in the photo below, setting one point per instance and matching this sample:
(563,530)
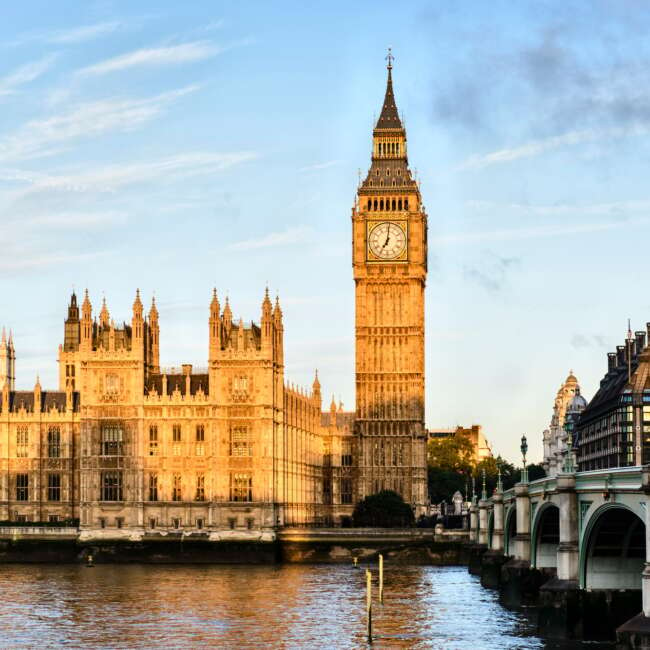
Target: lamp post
(499,481)
(568,460)
(474,498)
(524,449)
(484,491)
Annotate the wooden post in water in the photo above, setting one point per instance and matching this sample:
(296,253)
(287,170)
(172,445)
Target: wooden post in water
(381,578)
(369,604)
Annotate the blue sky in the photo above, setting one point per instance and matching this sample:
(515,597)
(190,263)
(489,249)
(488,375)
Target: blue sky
(179,146)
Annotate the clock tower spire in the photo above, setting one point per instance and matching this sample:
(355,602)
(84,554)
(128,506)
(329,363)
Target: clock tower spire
(389,226)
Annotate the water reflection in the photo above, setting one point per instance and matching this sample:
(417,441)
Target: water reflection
(293,606)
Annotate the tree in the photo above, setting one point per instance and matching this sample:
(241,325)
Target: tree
(386,509)
(449,465)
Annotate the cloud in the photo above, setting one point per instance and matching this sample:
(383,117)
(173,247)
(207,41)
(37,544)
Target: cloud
(580,341)
(319,166)
(297,235)
(20,261)
(173,54)
(25,74)
(538,147)
(492,272)
(614,208)
(49,136)
(70,36)
(112,177)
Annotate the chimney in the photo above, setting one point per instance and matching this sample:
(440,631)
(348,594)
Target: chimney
(640,341)
(620,355)
(611,361)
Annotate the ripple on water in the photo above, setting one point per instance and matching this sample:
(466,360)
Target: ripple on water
(290,606)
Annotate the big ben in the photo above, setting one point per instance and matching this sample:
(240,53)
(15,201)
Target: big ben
(389,235)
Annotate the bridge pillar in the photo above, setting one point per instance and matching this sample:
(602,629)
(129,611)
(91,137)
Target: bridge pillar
(636,632)
(497,531)
(568,552)
(473,523)
(483,522)
(522,538)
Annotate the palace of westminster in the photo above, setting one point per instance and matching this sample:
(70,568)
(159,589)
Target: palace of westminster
(125,444)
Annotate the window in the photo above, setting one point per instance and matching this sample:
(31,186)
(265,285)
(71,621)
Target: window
(176,523)
(346,455)
(152,523)
(176,489)
(200,487)
(102,522)
(250,523)
(241,487)
(53,442)
(119,522)
(112,440)
(53,519)
(22,442)
(153,487)
(240,442)
(232,522)
(153,440)
(199,524)
(176,439)
(54,487)
(22,487)
(346,491)
(200,440)
(111,486)
(21,519)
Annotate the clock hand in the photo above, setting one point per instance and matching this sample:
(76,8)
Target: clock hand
(387,237)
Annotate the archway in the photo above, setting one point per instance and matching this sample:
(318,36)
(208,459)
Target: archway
(546,537)
(510,530)
(613,549)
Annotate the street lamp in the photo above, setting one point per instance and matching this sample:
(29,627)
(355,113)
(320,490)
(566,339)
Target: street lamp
(499,481)
(524,449)
(484,492)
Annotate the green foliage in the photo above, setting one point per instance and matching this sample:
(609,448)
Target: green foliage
(385,509)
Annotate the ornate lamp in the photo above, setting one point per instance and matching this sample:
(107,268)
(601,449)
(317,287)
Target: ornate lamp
(484,492)
(568,459)
(499,481)
(524,449)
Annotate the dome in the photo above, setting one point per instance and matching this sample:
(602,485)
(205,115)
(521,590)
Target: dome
(577,404)
(571,379)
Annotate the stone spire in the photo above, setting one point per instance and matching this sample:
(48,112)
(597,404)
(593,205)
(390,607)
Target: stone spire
(104,316)
(389,117)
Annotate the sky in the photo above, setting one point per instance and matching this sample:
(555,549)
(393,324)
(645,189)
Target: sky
(176,147)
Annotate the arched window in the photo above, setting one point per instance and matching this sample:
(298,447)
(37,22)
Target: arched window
(397,148)
(369,204)
(381,204)
(406,204)
(375,204)
(399,204)
(393,204)
(392,149)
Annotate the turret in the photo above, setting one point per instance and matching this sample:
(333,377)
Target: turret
(87,323)
(137,324)
(104,316)
(154,333)
(279,331)
(215,326)
(37,395)
(72,334)
(7,361)
(266,321)
(333,411)
(227,318)
(240,335)
(315,392)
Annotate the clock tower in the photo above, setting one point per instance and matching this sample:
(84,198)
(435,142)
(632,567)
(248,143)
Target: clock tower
(389,260)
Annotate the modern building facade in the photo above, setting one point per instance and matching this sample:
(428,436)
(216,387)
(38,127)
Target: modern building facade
(614,429)
(124,444)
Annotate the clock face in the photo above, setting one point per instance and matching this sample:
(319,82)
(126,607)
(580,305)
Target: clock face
(387,240)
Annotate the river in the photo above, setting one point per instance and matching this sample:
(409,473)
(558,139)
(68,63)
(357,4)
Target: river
(287,606)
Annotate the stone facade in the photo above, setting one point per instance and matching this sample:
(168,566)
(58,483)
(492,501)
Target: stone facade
(126,446)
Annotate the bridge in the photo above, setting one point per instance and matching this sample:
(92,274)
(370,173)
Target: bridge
(571,539)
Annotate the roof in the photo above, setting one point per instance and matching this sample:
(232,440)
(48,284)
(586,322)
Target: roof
(49,399)
(389,118)
(174,380)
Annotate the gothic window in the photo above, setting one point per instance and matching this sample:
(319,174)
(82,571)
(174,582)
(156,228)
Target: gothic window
(153,440)
(388,172)
(381,204)
(53,442)
(176,439)
(200,487)
(397,149)
(111,486)
(346,455)
(112,439)
(200,440)
(22,487)
(241,487)
(240,444)
(369,204)
(377,172)
(399,204)
(199,524)
(406,204)
(393,204)
(22,442)
(153,487)
(54,487)
(375,204)
(346,491)
(176,488)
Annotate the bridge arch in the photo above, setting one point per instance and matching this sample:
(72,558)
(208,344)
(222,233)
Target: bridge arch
(545,537)
(612,551)
(509,531)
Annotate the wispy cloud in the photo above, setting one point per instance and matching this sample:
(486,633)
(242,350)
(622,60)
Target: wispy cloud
(318,166)
(70,36)
(297,235)
(539,147)
(39,138)
(25,74)
(620,208)
(110,178)
(36,260)
(173,54)
(491,272)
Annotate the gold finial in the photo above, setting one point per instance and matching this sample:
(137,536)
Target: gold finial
(390,58)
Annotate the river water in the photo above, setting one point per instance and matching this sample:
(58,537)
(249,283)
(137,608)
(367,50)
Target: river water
(287,606)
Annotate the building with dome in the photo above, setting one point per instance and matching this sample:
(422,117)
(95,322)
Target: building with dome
(568,405)
(614,429)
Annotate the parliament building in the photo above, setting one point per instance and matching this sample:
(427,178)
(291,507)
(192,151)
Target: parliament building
(127,448)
